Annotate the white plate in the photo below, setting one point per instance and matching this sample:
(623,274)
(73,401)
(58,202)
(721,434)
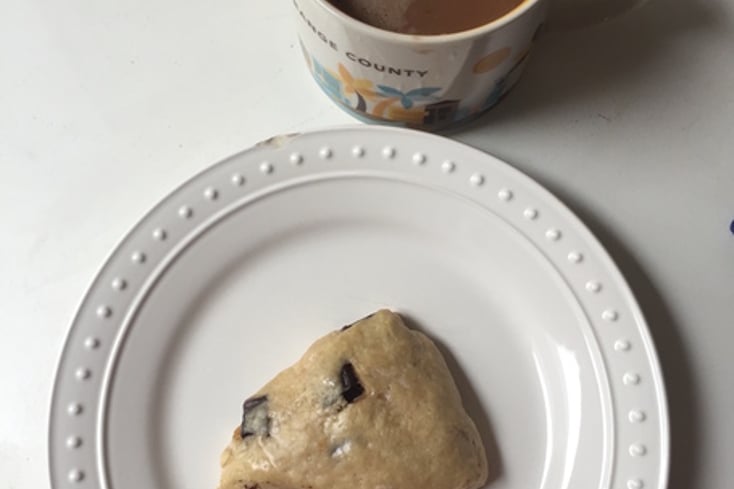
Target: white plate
(232,276)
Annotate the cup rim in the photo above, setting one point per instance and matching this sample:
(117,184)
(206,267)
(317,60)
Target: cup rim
(384,34)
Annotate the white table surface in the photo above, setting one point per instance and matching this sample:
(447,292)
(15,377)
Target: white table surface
(107,105)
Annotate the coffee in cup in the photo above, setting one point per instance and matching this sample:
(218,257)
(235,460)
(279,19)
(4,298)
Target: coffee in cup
(426,17)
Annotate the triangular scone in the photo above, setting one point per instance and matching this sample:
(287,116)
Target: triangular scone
(372,406)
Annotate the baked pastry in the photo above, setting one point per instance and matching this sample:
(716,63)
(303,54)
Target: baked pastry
(372,406)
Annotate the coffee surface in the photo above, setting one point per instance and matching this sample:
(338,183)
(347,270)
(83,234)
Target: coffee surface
(426,17)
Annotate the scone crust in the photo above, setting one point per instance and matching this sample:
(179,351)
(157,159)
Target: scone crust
(407,430)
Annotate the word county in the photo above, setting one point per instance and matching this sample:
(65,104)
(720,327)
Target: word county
(382,68)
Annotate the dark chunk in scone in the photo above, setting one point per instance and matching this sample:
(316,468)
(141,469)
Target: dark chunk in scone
(255,419)
(372,406)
